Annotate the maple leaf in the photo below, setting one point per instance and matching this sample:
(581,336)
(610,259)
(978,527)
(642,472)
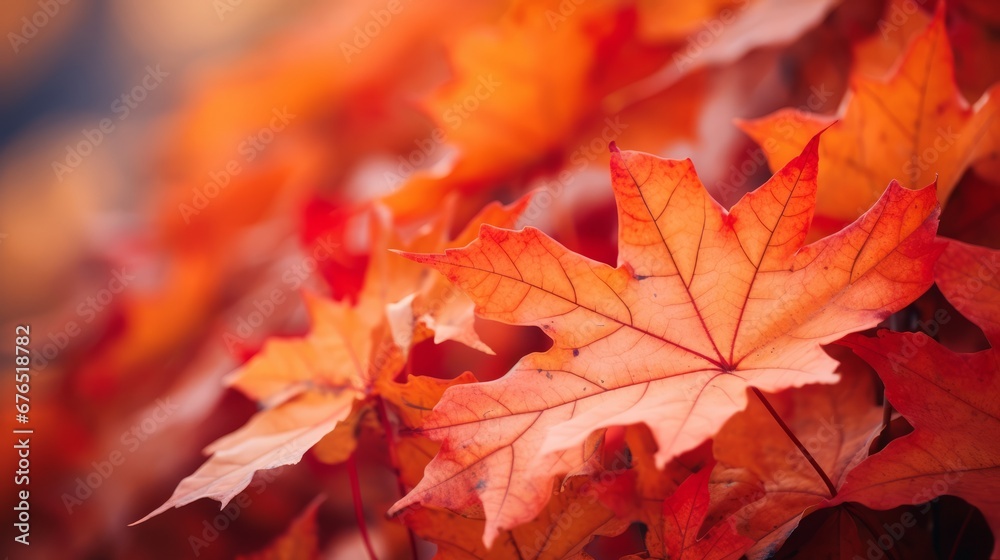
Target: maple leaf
(308,386)
(503,118)
(683,513)
(703,304)
(315,389)
(949,398)
(913,127)
(836,425)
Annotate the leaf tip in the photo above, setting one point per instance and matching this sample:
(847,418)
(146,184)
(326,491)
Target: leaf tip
(415,257)
(812,147)
(150,515)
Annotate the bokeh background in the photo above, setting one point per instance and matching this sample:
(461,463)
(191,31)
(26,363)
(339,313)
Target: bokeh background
(167,167)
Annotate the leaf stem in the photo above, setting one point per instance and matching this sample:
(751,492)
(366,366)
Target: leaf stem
(359,508)
(802,449)
(900,321)
(961,533)
(390,437)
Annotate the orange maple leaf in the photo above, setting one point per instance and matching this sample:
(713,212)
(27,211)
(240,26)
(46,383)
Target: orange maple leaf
(499,112)
(314,389)
(950,399)
(913,127)
(704,303)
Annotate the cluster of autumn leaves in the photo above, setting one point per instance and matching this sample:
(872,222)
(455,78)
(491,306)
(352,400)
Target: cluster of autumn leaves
(702,387)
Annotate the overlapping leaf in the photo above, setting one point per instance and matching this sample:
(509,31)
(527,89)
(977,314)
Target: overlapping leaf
(683,514)
(836,425)
(912,127)
(950,399)
(495,112)
(703,304)
(313,389)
